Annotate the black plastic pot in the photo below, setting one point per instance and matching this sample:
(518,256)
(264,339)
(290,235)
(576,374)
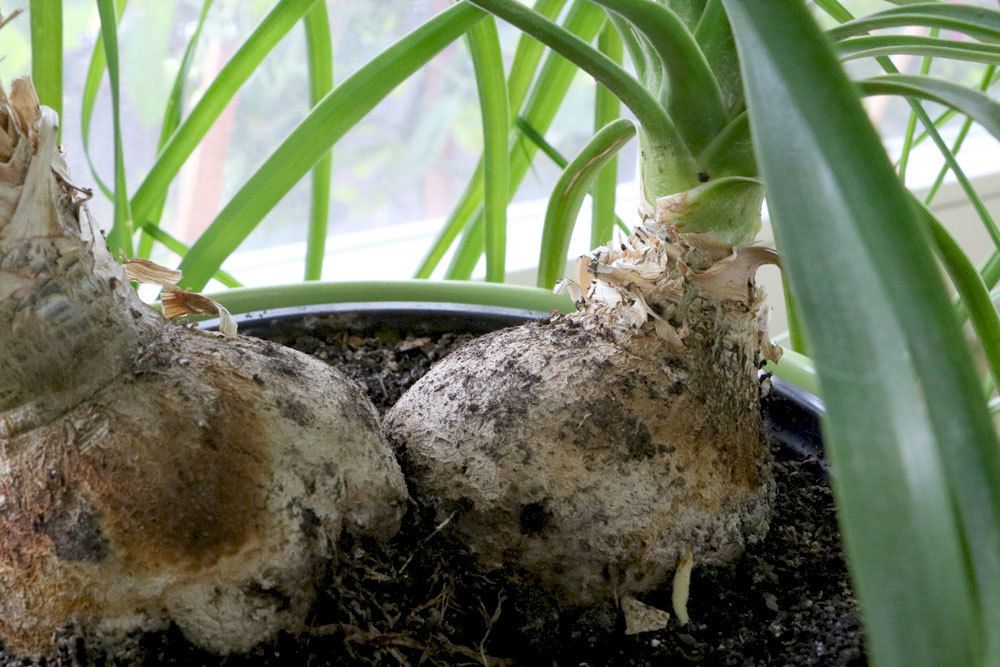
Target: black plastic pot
(791,414)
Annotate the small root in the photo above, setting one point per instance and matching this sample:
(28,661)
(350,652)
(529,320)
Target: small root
(682,588)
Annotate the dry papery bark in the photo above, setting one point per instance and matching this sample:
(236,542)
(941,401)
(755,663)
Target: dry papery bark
(151,472)
(601,451)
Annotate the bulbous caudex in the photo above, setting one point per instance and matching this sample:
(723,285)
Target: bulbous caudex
(150,472)
(593,451)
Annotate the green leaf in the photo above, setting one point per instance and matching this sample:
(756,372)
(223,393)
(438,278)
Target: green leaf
(174,245)
(972,103)
(522,72)
(607,108)
(978,22)
(872,46)
(528,53)
(691,96)
(544,99)
(688,11)
(568,194)
(220,92)
(91,86)
(171,119)
(47,53)
(975,296)
(725,210)
(715,38)
(731,153)
(487,62)
(329,120)
(913,452)
(798,369)
(120,236)
(948,114)
(671,167)
(959,140)
(911,121)
(644,60)
(466,256)
(796,333)
(319,47)
(540,142)
(551,152)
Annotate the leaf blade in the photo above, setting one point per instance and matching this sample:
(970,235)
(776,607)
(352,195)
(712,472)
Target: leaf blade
(319,49)
(487,63)
(568,195)
(902,437)
(607,108)
(216,97)
(522,71)
(120,235)
(171,119)
(47,53)
(322,127)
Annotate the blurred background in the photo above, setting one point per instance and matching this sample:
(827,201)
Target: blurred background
(396,175)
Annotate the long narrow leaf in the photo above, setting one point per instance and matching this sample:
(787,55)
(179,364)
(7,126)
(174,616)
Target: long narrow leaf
(731,153)
(528,54)
(975,108)
(975,296)
(544,99)
(329,120)
(715,38)
(467,254)
(551,152)
(692,95)
(983,109)
(47,53)
(607,108)
(911,121)
(959,140)
(678,168)
(493,294)
(948,114)
(487,62)
(319,46)
(981,23)
(91,86)
(174,245)
(171,119)
(540,142)
(120,236)
(568,195)
(688,11)
(220,92)
(522,71)
(871,46)
(913,452)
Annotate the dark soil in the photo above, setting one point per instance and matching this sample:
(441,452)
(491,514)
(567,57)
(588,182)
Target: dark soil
(787,601)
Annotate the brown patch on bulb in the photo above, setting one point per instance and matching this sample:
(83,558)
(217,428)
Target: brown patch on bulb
(194,497)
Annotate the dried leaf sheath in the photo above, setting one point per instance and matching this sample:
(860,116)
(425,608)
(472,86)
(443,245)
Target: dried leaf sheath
(68,318)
